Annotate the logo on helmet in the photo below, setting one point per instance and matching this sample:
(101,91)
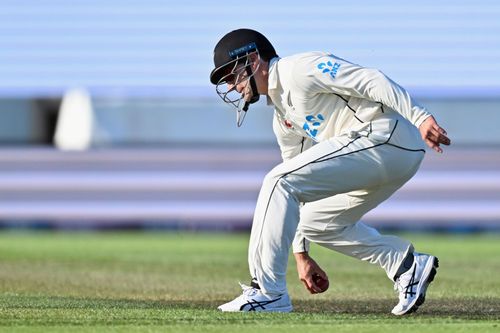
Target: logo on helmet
(243,50)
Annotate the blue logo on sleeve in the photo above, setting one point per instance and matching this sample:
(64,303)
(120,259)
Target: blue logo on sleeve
(312,123)
(329,68)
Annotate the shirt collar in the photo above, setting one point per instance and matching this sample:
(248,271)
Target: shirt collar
(272,79)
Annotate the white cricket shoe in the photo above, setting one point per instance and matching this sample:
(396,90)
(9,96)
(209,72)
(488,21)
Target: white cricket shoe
(253,299)
(412,285)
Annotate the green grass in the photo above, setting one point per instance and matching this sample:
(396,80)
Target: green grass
(161,282)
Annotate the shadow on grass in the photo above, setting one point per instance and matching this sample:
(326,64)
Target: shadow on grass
(477,308)
(465,308)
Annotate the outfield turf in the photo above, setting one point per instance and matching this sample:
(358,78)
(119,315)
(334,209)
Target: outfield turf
(160,282)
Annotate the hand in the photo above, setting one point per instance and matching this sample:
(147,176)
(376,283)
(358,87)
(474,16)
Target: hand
(433,134)
(306,268)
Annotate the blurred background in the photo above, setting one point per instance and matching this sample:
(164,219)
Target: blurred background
(108,119)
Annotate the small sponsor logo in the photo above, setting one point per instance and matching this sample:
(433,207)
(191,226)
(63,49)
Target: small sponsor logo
(244,49)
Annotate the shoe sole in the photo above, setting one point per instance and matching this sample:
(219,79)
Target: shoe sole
(425,285)
(284,309)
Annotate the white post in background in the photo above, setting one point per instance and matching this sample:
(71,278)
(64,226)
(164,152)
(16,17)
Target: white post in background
(75,121)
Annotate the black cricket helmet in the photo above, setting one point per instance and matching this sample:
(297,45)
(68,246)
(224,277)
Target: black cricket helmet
(233,65)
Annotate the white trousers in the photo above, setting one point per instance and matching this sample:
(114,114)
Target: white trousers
(338,180)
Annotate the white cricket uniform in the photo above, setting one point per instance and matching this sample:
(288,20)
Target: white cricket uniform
(349,139)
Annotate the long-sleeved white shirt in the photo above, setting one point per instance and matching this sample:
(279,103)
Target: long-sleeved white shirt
(317,96)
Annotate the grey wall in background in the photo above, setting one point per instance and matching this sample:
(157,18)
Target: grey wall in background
(18,121)
(468,121)
(119,121)
(208,120)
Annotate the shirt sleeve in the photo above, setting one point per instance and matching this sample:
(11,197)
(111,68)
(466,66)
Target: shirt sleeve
(291,144)
(330,74)
(300,243)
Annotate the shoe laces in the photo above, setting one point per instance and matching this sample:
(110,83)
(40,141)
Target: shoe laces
(405,283)
(247,290)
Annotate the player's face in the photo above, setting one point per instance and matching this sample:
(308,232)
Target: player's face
(237,85)
(240,83)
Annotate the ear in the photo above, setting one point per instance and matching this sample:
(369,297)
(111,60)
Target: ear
(254,58)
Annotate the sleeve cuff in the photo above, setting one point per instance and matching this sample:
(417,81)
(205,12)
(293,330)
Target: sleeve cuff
(300,243)
(421,118)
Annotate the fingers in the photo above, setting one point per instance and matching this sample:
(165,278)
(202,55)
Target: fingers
(321,273)
(434,146)
(438,135)
(441,130)
(435,135)
(309,283)
(308,270)
(310,286)
(441,136)
(434,142)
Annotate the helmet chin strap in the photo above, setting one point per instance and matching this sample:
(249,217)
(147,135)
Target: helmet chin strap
(254,98)
(255,95)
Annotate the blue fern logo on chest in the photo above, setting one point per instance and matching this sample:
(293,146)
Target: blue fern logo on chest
(312,124)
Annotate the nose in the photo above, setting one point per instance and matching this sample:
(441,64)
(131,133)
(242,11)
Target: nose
(238,87)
